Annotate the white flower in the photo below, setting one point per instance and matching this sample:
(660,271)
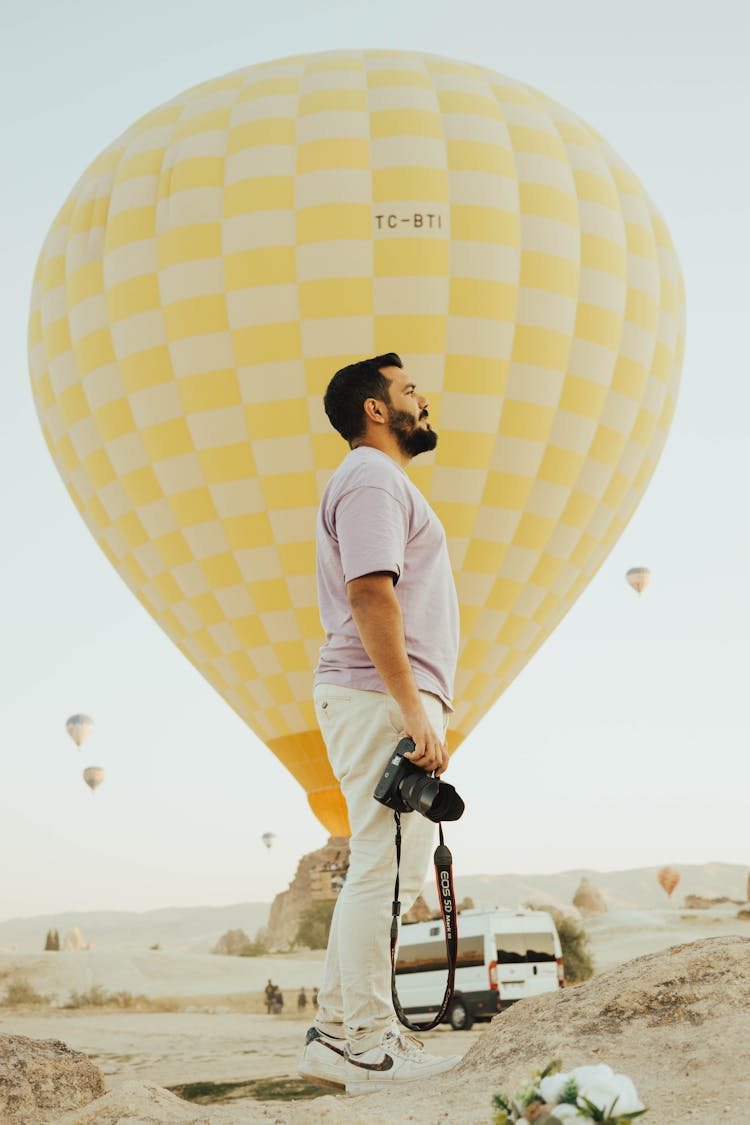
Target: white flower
(566,1112)
(598,1073)
(551,1087)
(618,1089)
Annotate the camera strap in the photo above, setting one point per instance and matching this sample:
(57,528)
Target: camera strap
(443,861)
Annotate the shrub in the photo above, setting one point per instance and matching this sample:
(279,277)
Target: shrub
(236,943)
(20,991)
(315,924)
(258,947)
(576,949)
(96,997)
(231,943)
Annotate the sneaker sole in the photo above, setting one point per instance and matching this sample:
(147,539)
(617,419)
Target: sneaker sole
(378,1084)
(317,1080)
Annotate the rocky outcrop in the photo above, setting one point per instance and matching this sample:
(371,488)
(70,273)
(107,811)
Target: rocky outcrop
(698,902)
(138,1102)
(420,912)
(588,899)
(74,941)
(40,1079)
(319,877)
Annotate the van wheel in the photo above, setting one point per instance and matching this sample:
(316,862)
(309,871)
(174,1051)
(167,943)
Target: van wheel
(459,1017)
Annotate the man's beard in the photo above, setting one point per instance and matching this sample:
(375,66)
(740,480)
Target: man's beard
(411,437)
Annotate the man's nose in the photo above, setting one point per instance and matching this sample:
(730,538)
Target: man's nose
(424,402)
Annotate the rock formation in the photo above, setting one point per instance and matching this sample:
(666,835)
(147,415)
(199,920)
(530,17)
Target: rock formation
(319,876)
(74,941)
(588,899)
(40,1079)
(420,912)
(698,902)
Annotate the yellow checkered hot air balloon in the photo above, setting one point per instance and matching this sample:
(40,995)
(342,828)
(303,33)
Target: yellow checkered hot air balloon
(222,258)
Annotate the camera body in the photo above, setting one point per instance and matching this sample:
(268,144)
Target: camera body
(405,787)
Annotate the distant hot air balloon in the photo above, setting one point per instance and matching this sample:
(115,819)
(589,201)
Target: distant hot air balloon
(218,261)
(638,577)
(268,838)
(668,878)
(93,776)
(79,727)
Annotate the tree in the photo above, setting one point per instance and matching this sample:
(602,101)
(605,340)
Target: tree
(315,924)
(52,941)
(232,943)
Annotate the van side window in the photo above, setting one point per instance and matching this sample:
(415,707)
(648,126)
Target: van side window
(429,956)
(516,949)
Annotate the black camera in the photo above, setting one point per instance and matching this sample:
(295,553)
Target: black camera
(405,787)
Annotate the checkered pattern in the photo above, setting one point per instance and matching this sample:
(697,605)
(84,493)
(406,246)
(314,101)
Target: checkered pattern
(218,262)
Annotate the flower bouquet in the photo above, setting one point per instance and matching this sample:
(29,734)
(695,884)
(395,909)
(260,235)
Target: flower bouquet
(586,1094)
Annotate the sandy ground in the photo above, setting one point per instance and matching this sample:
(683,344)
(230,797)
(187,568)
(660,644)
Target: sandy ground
(173,1048)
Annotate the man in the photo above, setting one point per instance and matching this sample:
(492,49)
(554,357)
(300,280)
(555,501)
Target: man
(389,609)
(301,1000)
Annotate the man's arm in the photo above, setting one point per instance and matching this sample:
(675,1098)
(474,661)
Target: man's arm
(377,615)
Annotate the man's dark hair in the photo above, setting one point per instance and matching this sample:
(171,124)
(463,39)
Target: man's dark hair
(347,391)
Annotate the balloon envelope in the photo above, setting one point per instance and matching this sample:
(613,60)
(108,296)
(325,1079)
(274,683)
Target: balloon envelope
(668,878)
(79,727)
(222,258)
(638,577)
(268,838)
(93,776)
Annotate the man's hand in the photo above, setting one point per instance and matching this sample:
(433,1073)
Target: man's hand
(429,752)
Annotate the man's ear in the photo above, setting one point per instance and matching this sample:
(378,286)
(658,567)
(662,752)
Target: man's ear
(374,410)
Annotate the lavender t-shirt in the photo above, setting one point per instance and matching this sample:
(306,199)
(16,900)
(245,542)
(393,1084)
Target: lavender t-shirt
(372,518)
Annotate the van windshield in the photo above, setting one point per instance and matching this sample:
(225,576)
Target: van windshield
(526,949)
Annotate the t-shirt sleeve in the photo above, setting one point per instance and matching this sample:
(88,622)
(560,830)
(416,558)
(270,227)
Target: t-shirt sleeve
(372,527)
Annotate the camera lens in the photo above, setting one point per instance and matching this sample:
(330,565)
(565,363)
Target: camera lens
(418,791)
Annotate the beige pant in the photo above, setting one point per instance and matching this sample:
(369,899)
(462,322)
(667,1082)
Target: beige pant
(360,729)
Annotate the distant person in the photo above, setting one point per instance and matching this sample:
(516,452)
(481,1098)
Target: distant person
(277,1001)
(269,991)
(301,1000)
(315,999)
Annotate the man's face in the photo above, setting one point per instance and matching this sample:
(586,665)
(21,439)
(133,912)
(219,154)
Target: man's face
(408,418)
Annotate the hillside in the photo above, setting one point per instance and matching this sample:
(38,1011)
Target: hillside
(196,929)
(635,889)
(185,929)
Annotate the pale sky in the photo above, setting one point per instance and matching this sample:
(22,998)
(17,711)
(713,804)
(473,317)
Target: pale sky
(625,741)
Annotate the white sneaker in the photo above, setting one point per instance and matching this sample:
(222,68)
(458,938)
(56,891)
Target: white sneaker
(323,1060)
(400,1057)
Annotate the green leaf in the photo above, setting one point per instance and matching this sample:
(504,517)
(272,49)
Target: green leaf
(593,1110)
(501,1101)
(552,1067)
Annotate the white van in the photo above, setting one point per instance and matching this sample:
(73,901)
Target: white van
(503,956)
